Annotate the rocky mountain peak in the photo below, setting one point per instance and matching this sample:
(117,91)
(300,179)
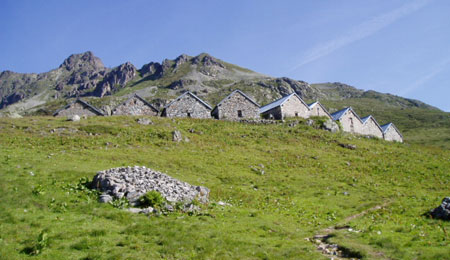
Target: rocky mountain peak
(82,61)
(207,60)
(115,79)
(6,73)
(183,58)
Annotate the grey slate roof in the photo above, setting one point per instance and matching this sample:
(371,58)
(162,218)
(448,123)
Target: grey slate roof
(97,111)
(192,95)
(280,102)
(313,104)
(141,99)
(387,126)
(338,115)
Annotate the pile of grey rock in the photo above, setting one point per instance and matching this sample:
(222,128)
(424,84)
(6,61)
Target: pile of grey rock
(443,210)
(134,182)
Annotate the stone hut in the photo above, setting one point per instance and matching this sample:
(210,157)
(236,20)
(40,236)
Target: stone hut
(391,133)
(80,108)
(236,106)
(371,127)
(135,106)
(349,120)
(187,105)
(317,109)
(288,106)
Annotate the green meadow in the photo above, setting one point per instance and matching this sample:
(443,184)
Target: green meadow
(284,183)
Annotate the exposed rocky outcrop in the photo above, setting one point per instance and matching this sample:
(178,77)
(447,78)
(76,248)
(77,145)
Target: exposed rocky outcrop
(115,79)
(152,71)
(180,84)
(207,60)
(133,182)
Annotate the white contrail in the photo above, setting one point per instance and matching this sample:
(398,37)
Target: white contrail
(361,31)
(431,74)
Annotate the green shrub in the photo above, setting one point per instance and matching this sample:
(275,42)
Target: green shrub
(152,199)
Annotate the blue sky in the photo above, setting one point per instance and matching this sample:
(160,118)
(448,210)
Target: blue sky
(392,46)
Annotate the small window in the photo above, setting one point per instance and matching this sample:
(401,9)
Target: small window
(318,112)
(239,113)
(188,114)
(296,114)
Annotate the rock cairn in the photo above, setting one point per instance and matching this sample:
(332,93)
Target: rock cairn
(133,182)
(443,210)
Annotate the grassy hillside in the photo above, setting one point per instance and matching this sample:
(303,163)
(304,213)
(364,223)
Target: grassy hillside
(310,183)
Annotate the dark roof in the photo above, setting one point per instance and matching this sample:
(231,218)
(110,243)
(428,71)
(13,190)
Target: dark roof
(318,103)
(97,111)
(338,115)
(240,92)
(141,99)
(365,119)
(385,127)
(192,95)
(280,102)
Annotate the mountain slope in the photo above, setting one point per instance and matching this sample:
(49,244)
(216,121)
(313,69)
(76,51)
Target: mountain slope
(310,182)
(84,75)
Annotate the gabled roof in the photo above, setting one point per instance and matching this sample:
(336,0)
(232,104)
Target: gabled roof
(78,100)
(141,99)
(318,103)
(240,92)
(338,115)
(280,102)
(387,126)
(192,95)
(366,119)
(313,104)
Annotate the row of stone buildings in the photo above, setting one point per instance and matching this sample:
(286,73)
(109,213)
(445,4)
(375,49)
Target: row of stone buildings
(237,106)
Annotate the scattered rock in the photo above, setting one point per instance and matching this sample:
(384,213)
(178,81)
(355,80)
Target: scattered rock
(133,182)
(221,203)
(73,118)
(442,211)
(176,136)
(331,126)
(310,122)
(105,198)
(348,146)
(144,121)
(14,115)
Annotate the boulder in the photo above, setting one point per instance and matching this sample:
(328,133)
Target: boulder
(331,126)
(73,118)
(176,136)
(442,211)
(144,121)
(105,198)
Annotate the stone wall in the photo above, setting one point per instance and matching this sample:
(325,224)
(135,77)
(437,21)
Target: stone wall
(274,113)
(349,119)
(293,107)
(77,108)
(392,135)
(317,110)
(134,106)
(236,107)
(371,128)
(187,106)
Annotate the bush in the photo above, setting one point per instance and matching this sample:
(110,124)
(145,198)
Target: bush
(152,199)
